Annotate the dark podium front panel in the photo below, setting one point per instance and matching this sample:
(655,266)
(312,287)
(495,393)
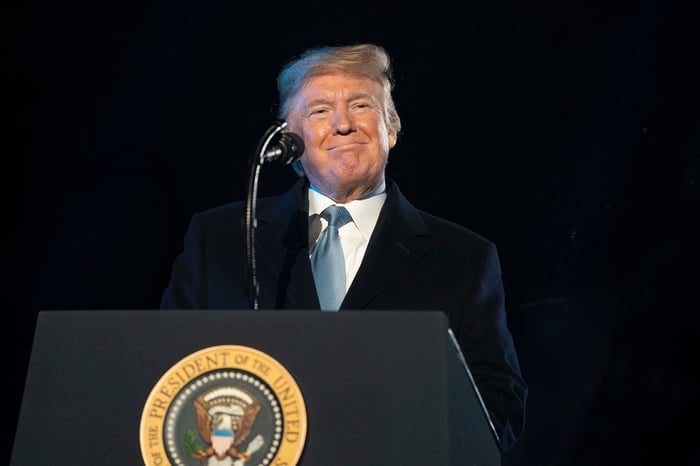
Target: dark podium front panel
(380,387)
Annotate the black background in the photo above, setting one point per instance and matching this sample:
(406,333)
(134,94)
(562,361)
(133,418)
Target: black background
(566,132)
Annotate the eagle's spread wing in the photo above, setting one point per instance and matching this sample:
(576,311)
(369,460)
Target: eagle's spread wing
(245,424)
(203,421)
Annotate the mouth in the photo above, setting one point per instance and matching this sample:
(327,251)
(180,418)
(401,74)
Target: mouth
(345,145)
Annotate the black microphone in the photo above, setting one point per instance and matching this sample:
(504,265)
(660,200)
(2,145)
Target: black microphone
(275,146)
(285,148)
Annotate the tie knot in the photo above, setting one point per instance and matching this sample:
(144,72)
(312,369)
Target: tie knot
(336,215)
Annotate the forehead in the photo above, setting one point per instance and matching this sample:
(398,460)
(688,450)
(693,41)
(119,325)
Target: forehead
(338,85)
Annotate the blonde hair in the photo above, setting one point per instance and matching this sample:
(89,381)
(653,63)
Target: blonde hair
(368,60)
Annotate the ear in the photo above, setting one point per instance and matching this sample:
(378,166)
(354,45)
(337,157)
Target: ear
(392,138)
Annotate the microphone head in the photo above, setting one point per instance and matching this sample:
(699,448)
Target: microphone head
(292,146)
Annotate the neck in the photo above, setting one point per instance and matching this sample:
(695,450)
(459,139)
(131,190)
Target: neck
(351,193)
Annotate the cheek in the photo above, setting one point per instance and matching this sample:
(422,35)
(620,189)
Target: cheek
(309,136)
(313,141)
(316,131)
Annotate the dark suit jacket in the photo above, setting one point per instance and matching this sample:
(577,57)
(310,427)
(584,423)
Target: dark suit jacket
(414,261)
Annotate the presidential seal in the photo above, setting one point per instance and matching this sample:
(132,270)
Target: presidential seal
(224,406)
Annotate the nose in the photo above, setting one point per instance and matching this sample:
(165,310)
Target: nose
(342,122)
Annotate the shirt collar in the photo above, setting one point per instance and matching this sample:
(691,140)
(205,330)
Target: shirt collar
(364,211)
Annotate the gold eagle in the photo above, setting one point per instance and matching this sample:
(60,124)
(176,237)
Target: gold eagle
(243,424)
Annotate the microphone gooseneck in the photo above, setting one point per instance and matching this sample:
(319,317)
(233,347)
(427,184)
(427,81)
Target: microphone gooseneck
(274,146)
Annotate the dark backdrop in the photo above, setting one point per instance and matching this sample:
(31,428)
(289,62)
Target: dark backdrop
(568,134)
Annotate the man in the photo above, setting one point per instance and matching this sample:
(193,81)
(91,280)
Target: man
(395,256)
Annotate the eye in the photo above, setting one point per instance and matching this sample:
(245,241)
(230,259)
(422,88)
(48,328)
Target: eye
(361,105)
(317,112)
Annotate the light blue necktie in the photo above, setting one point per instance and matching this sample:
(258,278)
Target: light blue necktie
(328,261)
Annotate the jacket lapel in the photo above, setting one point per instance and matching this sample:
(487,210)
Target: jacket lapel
(284,269)
(399,239)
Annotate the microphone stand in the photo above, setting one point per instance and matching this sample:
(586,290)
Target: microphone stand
(251,198)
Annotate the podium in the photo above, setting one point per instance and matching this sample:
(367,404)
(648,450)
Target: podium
(379,387)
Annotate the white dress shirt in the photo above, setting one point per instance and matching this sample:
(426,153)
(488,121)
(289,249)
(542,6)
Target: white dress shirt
(354,235)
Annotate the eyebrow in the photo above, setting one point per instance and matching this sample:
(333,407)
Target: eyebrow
(351,97)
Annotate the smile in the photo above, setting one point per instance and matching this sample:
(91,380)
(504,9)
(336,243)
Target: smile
(345,145)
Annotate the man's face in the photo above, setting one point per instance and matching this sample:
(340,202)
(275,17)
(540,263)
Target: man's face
(347,142)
